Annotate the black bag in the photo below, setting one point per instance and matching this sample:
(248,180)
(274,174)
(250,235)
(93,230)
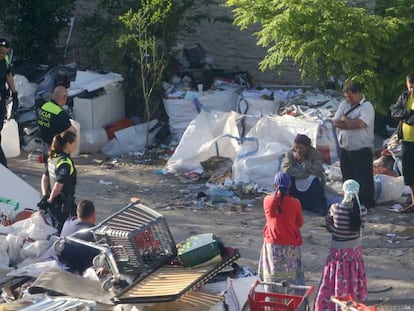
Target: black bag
(399,130)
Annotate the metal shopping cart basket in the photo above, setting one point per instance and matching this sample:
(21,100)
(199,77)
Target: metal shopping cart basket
(286,298)
(134,241)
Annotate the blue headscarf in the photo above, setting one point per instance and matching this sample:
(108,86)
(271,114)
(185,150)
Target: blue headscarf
(282,182)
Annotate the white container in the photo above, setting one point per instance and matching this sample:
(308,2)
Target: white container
(10,142)
(95,113)
(77,126)
(92,140)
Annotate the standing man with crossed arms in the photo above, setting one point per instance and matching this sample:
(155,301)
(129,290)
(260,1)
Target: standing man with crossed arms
(354,120)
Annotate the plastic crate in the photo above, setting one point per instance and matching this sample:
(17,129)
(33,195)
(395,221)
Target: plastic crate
(7,213)
(139,239)
(287,297)
(198,249)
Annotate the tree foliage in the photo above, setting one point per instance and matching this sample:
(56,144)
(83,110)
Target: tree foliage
(102,27)
(146,48)
(328,38)
(137,38)
(34,26)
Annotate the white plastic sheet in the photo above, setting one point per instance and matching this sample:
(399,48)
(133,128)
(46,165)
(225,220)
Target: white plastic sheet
(131,139)
(26,91)
(91,81)
(238,291)
(12,188)
(34,228)
(4,255)
(35,269)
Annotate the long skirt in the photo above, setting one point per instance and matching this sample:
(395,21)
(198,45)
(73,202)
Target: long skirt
(313,199)
(281,263)
(344,274)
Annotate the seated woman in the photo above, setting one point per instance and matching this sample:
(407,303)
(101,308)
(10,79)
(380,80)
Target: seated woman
(304,164)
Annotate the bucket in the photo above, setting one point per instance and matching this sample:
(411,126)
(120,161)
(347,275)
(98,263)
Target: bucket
(76,125)
(91,141)
(10,142)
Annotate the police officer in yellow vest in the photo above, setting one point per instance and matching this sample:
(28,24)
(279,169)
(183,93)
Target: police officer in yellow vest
(6,76)
(52,119)
(59,180)
(403,111)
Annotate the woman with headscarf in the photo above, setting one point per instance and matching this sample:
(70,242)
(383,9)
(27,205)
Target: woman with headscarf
(281,257)
(304,164)
(344,273)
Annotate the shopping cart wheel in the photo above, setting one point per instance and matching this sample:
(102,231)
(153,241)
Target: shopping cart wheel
(107,284)
(98,261)
(58,246)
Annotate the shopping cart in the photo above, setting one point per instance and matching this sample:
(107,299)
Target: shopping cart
(134,241)
(286,298)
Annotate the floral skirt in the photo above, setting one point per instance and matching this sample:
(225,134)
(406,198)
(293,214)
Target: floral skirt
(281,263)
(344,274)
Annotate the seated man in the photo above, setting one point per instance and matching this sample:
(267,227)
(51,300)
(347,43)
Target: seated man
(304,164)
(76,256)
(85,218)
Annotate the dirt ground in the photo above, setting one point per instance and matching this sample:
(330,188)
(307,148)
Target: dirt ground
(111,183)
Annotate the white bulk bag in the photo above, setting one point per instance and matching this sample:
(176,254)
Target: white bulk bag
(209,134)
(388,188)
(275,136)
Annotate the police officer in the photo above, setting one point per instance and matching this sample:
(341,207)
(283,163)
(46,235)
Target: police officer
(6,76)
(53,119)
(59,180)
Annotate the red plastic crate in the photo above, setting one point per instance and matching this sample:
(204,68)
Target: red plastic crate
(290,297)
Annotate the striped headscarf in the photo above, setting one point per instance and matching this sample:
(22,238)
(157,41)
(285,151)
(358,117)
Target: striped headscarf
(351,189)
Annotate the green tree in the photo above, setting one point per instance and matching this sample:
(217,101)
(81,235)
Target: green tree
(34,26)
(147,50)
(328,38)
(396,59)
(137,39)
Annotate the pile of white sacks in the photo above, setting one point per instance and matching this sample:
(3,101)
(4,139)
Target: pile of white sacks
(23,250)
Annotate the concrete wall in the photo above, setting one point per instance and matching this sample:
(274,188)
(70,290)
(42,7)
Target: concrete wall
(236,50)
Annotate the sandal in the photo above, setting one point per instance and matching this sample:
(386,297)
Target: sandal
(407,209)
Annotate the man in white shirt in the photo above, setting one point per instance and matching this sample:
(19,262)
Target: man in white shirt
(354,120)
